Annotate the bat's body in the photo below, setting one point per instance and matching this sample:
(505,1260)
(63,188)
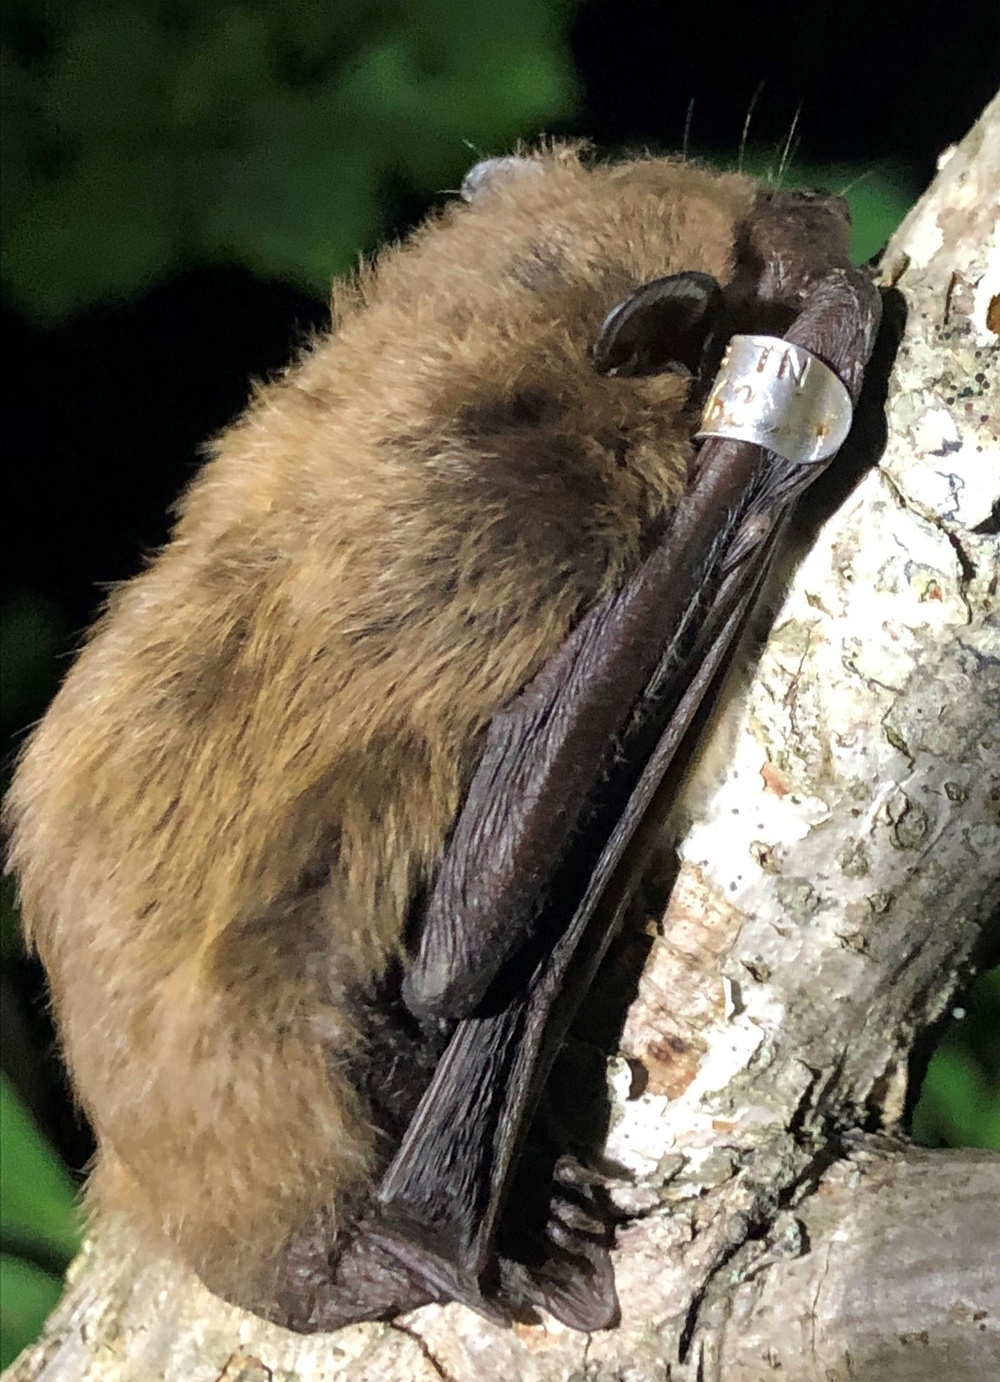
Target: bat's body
(298,807)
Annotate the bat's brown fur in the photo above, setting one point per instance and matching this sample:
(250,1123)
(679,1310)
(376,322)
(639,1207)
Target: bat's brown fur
(254,763)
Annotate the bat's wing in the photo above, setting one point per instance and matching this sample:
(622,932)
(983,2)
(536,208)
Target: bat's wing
(545,750)
(568,774)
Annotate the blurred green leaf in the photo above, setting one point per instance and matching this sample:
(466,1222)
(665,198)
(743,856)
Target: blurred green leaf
(27,1296)
(959,1104)
(149,134)
(303,207)
(37,1199)
(879,200)
(224,68)
(107,229)
(108,76)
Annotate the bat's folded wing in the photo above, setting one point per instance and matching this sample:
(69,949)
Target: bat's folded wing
(527,896)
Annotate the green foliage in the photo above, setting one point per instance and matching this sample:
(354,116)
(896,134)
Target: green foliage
(142,135)
(28,1294)
(37,1200)
(38,1220)
(879,199)
(38,1225)
(959,1103)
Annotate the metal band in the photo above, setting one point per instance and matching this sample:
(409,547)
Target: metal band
(780,396)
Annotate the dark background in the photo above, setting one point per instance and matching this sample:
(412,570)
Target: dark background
(105,411)
(115,375)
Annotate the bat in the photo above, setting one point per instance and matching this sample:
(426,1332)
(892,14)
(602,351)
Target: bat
(327,831)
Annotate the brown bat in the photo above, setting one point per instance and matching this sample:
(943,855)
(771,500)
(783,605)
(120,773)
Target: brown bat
(326,833)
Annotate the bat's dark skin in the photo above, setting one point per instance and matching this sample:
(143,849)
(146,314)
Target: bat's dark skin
(322,1120)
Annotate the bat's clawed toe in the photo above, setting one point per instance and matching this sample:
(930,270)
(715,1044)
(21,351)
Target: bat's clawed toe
(578,1288)
(574,1280)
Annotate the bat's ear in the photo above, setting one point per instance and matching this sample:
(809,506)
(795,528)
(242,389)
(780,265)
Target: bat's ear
(490,173)
(664,325)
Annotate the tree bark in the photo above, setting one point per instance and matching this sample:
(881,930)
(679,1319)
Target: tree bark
(837,882)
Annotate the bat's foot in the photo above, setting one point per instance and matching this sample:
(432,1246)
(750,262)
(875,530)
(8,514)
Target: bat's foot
(386,1266)
(573,1278)
(434,1271)
(566,1271)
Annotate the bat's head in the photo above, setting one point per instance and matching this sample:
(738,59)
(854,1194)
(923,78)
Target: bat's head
(667,216)
(518,276)
(791,239)
(485,326)
(533,350)
(556,231)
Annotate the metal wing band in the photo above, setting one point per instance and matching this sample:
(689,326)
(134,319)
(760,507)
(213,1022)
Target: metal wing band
(780,396)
